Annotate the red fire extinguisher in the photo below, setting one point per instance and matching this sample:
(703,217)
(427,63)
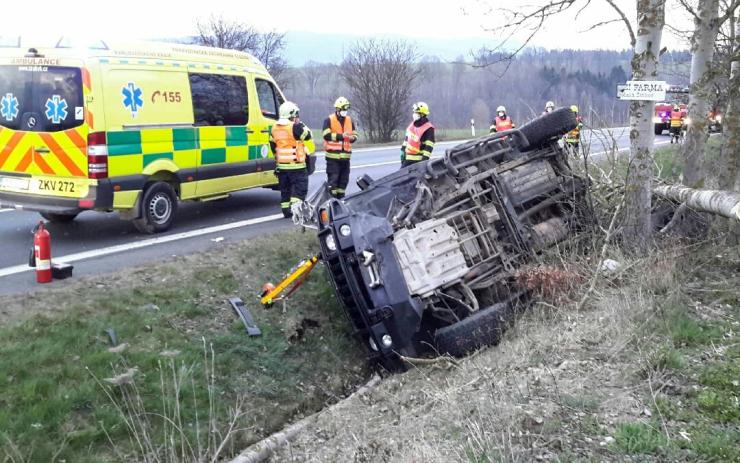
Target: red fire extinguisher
(42,252)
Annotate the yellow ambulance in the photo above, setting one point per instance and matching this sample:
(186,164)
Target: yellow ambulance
(132,128)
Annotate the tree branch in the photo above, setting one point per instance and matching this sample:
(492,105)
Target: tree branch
(626,21)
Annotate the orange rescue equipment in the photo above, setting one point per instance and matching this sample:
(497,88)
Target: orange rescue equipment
(42,254)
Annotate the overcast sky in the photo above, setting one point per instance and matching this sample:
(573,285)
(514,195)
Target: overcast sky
(138,19)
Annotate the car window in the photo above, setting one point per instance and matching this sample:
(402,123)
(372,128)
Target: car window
(270,99)
(219,99)
(41,98)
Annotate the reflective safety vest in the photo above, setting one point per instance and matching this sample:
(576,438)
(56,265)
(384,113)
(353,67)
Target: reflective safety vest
(676,119)
(289,152)
(413,139)
(503,124)
(339,149)
(574,136)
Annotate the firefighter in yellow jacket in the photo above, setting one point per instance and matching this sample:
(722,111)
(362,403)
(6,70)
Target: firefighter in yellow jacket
(293,161)
(573,138)
(339,134)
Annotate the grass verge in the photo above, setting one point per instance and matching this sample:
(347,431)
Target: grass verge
(189,382)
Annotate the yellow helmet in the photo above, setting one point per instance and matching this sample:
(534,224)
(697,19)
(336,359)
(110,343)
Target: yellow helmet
(341,103)
(574,108)
(421,108)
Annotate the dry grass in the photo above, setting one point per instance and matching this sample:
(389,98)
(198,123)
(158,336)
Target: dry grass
(564,385)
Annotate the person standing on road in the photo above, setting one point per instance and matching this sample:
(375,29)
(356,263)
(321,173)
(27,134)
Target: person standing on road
(676,123)
(419,140)
(573,138)
(293,161)
(549,107)
(502,121)
(339,134)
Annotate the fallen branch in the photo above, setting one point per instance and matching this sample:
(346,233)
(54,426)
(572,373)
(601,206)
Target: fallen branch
(724,203)
(267,447)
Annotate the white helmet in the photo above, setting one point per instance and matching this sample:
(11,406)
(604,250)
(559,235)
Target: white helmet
(289,110)
(549,105)
(501,109)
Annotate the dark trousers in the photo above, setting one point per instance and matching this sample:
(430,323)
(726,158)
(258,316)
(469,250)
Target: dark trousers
(293,188)
(337,173)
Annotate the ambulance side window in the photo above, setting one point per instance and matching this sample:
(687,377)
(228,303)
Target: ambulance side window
(269,98)
(219,99)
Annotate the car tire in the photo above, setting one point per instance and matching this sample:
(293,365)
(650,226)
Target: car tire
(484,328)
(542,129)
(55,217)
(658,130)
(158,208)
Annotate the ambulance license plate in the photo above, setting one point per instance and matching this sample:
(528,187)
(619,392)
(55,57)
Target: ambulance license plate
(13,183)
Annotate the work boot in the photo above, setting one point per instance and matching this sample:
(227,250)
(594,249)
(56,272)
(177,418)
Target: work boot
(287,214)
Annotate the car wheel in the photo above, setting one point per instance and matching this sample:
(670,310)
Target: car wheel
(541,130)
(158,208)
(483,328)
(658,130)
(59,217)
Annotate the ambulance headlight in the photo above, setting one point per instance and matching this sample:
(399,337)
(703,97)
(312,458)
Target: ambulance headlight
(387,341)
(345,230)
(330,243)
(718,118)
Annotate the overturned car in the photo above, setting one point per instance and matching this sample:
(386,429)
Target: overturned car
(425,258)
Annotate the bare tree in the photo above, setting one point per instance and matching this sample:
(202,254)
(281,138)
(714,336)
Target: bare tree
(645,40)
(730,155)
(637,227)
(381,75)
(268,47)
(707,23)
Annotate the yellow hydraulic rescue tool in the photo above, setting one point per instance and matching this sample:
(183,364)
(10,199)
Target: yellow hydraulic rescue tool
(296,277)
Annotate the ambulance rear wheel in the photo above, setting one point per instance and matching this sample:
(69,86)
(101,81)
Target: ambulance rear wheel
(158,208)
(54,217)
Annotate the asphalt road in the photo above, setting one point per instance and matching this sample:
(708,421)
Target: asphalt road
(97,243)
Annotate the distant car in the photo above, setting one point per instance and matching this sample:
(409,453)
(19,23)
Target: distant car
(427,256)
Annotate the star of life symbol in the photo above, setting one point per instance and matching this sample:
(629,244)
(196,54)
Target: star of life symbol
(56,109)
(132,98)
(9,107)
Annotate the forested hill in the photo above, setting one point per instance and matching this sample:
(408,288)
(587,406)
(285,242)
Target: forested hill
(460,89)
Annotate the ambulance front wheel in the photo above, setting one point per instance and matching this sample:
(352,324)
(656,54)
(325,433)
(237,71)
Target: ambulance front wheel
(158,207)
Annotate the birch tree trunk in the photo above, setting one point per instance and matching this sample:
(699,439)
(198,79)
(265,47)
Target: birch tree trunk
(706,26)
(636,226)
(724,203)
(729,178)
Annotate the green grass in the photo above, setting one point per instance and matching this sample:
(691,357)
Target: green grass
(697,344)
(51,403)
(637,438)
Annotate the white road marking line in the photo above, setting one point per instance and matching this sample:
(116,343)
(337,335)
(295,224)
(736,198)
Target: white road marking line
(6,210)
(145,243)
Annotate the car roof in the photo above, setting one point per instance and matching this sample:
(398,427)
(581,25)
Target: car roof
(170,51)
